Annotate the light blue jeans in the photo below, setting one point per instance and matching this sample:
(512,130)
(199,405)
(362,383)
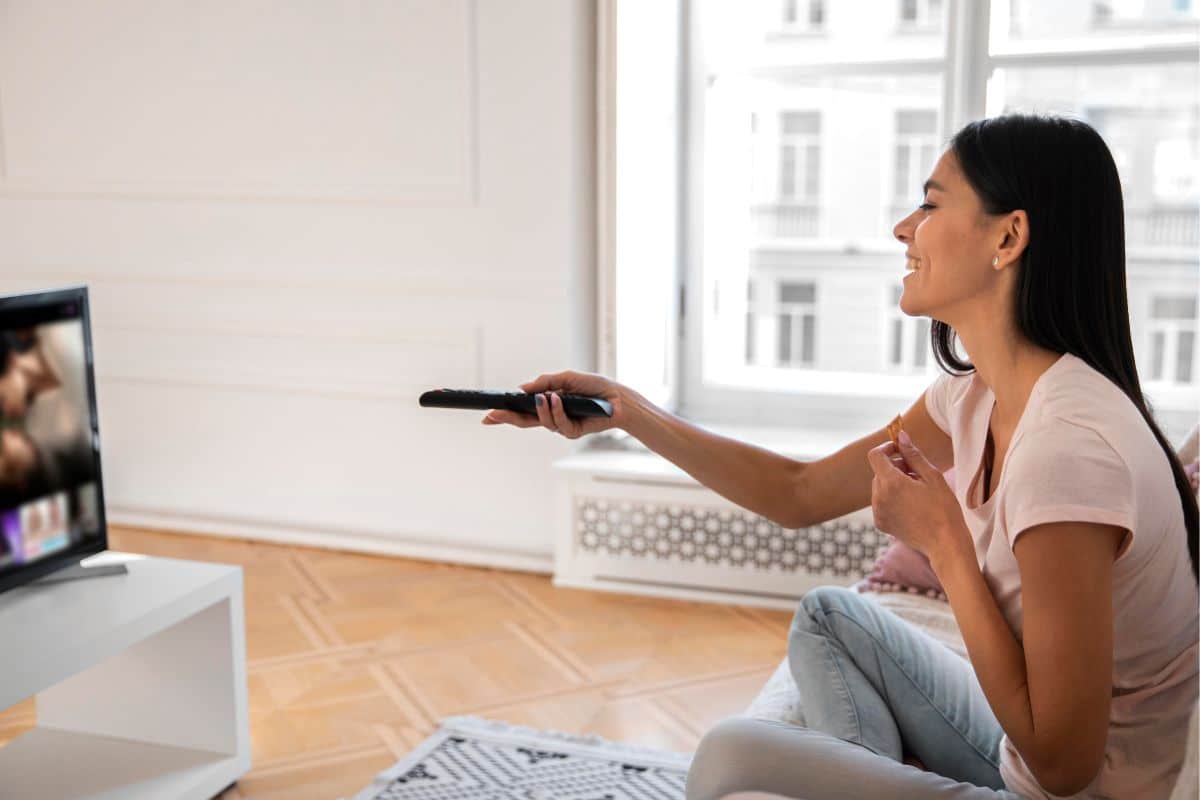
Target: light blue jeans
(875,689)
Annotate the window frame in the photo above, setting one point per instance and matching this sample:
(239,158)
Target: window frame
(846,400)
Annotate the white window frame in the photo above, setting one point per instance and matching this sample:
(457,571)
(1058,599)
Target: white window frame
(856,401)
(844,401)
(1171,328)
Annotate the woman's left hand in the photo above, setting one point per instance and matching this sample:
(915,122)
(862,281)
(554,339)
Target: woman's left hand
(916,506)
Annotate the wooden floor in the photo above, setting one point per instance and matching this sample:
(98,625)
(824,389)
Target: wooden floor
(353,659)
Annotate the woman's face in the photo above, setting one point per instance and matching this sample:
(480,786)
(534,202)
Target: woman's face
(950,245)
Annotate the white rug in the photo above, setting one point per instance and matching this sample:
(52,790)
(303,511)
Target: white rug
(477,759)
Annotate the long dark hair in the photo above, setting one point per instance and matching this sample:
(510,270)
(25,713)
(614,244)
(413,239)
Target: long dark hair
(1071,280)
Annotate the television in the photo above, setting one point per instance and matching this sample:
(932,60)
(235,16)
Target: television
(51,494)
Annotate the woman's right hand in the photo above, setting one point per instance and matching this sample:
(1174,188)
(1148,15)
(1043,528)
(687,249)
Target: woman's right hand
(550,414)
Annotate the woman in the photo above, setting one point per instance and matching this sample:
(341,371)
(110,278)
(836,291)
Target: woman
(1067,548)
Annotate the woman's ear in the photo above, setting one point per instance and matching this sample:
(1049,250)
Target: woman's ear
(1014,238)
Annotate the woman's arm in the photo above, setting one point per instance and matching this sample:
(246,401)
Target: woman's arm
(789,492)
(1052,691)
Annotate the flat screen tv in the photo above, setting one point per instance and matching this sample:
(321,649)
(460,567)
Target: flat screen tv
(51,496)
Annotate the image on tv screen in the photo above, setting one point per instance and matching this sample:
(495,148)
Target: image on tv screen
(48,481)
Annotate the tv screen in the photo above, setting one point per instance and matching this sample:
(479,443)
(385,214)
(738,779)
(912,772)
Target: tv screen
(51,496)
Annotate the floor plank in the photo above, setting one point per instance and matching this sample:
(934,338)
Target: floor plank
(353,659)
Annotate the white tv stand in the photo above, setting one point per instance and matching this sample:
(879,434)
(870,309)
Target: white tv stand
(140,682)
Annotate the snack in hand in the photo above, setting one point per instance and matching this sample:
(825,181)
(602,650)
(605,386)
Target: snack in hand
(893,430)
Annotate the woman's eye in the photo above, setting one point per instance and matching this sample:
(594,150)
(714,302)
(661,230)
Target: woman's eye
(925,206)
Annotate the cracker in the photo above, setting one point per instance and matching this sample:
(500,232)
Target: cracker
(893,430)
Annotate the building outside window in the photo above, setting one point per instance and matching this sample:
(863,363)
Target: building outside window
(908,348)
(803,15)
(796,317)
(1172,333)
(848,127)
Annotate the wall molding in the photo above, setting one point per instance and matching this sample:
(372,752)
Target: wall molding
(513,285)
(423,548)
(462,192)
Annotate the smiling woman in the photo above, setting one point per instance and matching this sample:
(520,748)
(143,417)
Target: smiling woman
(1066,548)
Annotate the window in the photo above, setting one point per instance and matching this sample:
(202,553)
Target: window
(803,15)
(920,13)
(795,210)
(916,152)
(1172,333)
(797,324)
(802,154)
(908,348)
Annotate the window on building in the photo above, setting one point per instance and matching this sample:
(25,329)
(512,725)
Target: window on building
(796,318)
(921,13)
(848,126)
(808,15)
(915,154)
(908,348)
(1172,330)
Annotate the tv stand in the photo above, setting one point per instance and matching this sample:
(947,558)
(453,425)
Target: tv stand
(140,683)
(81,571)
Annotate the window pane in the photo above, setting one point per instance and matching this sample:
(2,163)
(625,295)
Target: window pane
(920,342)
(1142,112)
(797,293)
(897,340)
(1027,21)
(816,13)
(902,187)
(810,337)
(750,337)
(1156,356)
(812,173)
(785,339)
(1183,356)
(748,35)
(1174,308)
(787,171)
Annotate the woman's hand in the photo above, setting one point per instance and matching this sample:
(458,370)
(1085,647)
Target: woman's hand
(549,406)
(916,505)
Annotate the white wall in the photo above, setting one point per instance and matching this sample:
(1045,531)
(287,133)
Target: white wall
(294,217)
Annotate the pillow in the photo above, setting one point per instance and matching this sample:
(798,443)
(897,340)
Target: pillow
(901,568)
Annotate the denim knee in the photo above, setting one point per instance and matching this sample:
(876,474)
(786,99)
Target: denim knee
(726,761)
(818,602)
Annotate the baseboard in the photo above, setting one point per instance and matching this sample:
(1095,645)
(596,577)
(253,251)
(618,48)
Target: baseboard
(352,541)
(690,593)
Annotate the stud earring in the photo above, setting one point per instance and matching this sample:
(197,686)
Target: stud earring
(995,261)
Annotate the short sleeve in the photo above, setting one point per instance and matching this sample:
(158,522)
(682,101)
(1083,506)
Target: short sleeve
(940,397)
(1064,472)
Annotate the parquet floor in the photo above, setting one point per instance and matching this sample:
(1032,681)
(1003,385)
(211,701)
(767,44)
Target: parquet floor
(353,659)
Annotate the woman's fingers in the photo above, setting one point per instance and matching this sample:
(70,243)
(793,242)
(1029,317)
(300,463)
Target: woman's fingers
(542,404)
(543,383)
(566,425)
(502,417)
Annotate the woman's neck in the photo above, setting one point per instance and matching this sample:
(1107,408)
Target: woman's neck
(1009,365)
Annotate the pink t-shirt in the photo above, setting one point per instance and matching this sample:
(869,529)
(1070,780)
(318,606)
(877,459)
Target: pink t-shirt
(1082,452)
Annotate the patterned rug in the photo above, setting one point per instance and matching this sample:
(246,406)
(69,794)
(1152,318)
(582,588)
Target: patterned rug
(477,759)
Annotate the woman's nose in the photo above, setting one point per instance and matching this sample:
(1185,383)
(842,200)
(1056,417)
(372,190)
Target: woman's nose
(903,229)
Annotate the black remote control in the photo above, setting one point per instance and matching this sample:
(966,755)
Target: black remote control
(575,405)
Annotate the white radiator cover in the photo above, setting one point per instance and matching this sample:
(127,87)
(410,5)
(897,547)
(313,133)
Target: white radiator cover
(669,536)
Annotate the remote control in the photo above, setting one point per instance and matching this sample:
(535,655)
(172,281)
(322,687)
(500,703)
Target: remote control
(575,405)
